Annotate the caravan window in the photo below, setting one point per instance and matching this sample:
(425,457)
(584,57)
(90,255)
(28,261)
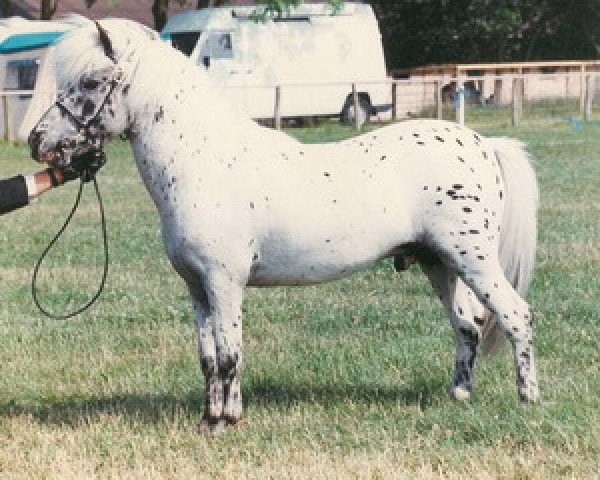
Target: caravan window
(185,42)
(217,45)
(21,75)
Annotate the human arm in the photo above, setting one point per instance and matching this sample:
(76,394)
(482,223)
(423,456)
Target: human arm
(13,193)
(17,191)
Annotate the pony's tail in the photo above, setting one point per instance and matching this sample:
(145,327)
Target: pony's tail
(518,234)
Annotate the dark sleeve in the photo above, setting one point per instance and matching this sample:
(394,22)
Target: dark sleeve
(13,194)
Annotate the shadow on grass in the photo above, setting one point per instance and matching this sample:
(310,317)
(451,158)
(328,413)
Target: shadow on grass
(151,408)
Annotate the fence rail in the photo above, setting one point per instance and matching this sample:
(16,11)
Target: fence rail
(519,95)
(504,98)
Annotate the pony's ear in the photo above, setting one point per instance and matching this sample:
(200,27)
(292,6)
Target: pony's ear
(105,42)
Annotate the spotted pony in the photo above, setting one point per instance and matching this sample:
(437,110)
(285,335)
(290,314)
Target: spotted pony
(242,205)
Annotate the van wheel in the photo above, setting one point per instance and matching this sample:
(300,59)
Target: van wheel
(364,109)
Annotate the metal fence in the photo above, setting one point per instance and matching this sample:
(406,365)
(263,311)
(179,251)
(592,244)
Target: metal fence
(532,98)
(516,99)
(489,100)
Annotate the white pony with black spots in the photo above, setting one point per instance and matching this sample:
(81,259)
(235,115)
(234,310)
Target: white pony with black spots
(242,205)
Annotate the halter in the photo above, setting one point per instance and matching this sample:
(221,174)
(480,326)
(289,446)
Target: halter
(80,120)
(83,123)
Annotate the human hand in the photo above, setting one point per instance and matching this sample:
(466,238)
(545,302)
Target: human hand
(83,166)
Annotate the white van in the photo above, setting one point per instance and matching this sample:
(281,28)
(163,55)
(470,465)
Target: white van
(313,55)
(26,90)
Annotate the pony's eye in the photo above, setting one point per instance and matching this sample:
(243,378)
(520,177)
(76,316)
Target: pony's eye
(90,84)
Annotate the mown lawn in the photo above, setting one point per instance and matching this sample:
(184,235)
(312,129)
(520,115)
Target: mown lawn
(343,380)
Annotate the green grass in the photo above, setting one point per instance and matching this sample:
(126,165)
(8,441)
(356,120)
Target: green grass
(343,380)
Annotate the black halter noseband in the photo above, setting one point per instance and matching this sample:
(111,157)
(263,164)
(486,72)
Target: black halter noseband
(81,123)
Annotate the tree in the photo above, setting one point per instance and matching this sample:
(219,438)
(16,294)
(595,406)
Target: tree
(279,8)
(160,8)
(47,9)
(160,11)
(5,8)
(210,3)
(419,32)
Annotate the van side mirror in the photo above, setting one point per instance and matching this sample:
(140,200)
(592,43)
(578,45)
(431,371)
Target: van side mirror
(206,61)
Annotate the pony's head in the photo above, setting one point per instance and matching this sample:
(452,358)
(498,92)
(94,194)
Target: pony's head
(92,65)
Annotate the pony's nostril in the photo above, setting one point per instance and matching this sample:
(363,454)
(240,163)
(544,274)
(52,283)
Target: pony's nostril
(34,141)
(32,137)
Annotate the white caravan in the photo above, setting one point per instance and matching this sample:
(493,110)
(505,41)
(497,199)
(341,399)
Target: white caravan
(313,55)
(26,89)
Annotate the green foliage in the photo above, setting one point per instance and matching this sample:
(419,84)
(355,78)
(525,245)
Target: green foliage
(282,8)
(419,32)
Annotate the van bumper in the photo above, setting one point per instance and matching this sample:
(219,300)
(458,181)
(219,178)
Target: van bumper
(375,109)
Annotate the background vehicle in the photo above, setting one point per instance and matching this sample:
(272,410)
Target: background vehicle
(315,56)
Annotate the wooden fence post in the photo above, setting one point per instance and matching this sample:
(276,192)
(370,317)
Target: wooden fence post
(497,91)
(587,111)
(394,101)
(582,91)
(437,98)
(277,113)
(517,101)
(8,135)
(460,107)
(355,101)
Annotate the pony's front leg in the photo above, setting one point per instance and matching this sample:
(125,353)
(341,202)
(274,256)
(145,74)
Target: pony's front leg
(218,318)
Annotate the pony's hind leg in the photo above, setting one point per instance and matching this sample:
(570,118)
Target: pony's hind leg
(514,317)
(474,257)
(466,315)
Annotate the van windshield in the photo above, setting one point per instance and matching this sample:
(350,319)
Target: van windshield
(185,41)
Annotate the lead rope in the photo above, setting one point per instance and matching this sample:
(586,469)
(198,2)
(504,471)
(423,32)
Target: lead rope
(89,303)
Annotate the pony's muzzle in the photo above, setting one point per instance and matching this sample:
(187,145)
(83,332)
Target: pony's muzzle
(61,152)
(35,141)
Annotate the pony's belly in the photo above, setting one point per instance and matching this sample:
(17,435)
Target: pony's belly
(296,275)
(291,263)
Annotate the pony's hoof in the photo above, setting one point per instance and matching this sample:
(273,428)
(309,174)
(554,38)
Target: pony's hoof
(530,396)
(459,393)
(211,427)
(233,421)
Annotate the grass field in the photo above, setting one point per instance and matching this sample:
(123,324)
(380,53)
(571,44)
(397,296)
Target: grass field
(343,380)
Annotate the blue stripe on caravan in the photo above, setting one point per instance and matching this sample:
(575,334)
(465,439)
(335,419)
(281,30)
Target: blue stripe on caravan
(28,41)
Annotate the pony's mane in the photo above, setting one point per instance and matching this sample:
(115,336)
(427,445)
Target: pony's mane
(152,64)
(79,51)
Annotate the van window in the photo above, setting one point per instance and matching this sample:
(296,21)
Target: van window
(217,45)
(185,41)
(21,75)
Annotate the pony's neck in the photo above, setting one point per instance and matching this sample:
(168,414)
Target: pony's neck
(179,120)
(179,96)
